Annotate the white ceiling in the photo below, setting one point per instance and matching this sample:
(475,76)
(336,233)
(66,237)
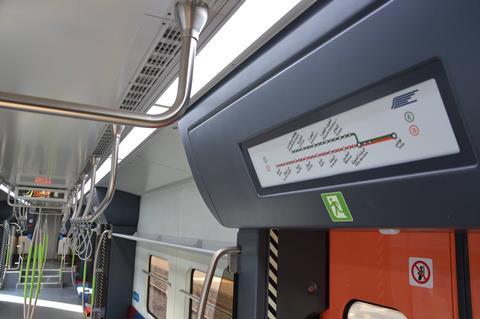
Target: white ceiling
(69,50)
(158,162)
(79,51)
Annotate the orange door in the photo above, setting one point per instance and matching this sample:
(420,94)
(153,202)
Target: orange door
(383,270)
(474,257)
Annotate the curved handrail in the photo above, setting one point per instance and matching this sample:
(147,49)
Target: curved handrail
(207,284)
(92,186)
(192,16)
(117,134)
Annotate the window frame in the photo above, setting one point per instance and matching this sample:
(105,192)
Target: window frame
(234,293)
(148,285)
(349,305)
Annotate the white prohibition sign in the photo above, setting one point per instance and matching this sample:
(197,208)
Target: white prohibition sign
(420,272)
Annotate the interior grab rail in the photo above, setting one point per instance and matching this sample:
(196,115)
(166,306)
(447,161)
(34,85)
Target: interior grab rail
(216,256)
(191,16)
(117,134)
(157,277)
(93,176)
(209,304)
(191,249)
(79,204)
(207,284)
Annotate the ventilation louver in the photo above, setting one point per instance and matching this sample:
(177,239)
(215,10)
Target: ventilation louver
(159,68)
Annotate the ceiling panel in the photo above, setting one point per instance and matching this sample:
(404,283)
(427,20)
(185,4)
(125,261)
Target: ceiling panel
(67,50)
(87,52)
(142,176)
(158,162)
(165,147)
(34,145)
(76,51)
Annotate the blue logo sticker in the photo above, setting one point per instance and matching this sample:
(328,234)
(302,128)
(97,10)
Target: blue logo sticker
(136,296)
(404,99)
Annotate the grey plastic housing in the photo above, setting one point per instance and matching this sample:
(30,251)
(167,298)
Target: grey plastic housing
(335,50)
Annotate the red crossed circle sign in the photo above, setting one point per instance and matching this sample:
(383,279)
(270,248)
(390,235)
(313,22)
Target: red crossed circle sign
(421,272)
(414,130)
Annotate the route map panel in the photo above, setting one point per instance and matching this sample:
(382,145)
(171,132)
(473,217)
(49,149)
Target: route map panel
(406,126)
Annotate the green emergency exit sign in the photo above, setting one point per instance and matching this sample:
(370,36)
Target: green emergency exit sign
(337,207)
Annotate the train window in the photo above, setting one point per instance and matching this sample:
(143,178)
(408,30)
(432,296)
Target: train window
(157,287)
(220,299)
(364,310)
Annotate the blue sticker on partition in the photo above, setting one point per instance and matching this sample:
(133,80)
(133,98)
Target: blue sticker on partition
(136,296)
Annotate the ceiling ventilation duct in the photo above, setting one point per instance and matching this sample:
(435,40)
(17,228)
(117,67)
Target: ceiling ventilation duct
(160,66)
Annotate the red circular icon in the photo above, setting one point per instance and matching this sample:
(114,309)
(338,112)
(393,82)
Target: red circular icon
(414,130)
(420,272)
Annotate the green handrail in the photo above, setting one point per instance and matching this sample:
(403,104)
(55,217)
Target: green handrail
(34,265)
(39,261)
(8,257)
(42,259)
(94,283)
(83,286)
(27,270)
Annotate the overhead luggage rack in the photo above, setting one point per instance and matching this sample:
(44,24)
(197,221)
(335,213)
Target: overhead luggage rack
(193,245)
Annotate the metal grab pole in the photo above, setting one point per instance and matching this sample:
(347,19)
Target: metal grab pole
(209,277)
(79,205)
(192,16)
(95,161)
(117,134)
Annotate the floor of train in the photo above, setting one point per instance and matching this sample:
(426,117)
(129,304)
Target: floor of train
(53,303)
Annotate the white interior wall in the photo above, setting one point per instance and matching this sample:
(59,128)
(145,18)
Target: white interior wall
(175,210)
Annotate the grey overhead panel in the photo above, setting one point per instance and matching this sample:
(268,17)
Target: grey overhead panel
(336,57)
(122,201)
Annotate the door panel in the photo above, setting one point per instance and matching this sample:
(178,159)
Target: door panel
(371,267)
(474,257)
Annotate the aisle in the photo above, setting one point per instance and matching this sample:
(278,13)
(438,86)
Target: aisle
(14,311)
(52,304)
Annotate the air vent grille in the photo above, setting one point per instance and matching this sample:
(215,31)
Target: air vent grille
(157,70)
(153,70)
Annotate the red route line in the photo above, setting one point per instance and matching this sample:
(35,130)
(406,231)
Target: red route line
(306,158)
(379,140)
(336,150)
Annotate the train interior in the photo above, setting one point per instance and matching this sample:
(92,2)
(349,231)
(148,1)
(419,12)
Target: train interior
(239,159)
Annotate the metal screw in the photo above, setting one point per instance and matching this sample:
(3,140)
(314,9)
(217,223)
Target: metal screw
(312,288)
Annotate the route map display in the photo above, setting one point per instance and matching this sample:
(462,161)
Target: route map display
(406,126)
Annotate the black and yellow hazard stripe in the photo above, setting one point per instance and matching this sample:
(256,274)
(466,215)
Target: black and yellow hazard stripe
(272,274)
